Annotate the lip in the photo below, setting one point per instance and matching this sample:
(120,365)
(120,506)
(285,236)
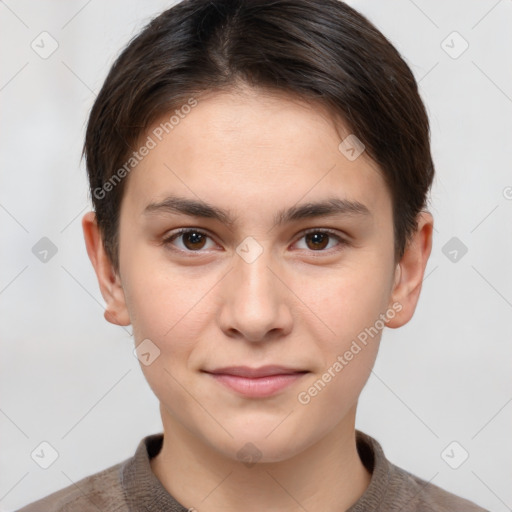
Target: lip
(256,382)
(262,371)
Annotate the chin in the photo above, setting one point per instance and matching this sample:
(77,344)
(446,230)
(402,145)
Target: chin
(256,445)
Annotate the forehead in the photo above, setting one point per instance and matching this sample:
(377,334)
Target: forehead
(235,148)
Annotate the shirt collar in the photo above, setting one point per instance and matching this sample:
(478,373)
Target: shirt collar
(143,490)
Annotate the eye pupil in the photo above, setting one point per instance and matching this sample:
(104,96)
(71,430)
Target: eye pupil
(319,240)
(195,238)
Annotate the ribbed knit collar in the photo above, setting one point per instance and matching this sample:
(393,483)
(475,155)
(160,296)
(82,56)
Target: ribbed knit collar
(144,492)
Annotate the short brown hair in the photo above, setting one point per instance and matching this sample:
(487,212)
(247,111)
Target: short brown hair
(321,50)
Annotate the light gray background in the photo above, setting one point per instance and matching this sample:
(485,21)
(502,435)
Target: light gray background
(69,378)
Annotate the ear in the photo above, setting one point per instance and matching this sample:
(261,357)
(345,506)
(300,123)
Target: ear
(410,271)
(116,311)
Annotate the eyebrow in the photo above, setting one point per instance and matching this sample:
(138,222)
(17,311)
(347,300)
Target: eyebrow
(198,208)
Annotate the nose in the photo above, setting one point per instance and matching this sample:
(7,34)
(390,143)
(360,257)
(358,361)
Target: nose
(256,302)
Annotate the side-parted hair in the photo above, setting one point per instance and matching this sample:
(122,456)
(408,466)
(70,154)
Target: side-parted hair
(320,50)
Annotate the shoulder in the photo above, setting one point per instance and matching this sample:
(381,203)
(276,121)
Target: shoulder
(393,489)
(418,494)
(100,491)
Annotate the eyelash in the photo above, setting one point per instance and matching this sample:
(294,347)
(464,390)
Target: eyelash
(167,241)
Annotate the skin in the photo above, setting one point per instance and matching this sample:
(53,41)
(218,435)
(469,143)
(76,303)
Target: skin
(253,153)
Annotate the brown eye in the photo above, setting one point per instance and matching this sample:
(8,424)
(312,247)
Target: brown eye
(321,240)
(317,240)
(192,240)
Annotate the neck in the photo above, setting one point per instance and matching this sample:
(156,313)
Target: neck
(327,476)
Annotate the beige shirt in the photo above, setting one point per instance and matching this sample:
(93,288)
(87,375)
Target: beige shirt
(131,486)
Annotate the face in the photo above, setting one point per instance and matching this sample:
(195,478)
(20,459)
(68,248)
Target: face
(287,260)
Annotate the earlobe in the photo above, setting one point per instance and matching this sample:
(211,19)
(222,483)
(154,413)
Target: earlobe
(111,289)
(410,271)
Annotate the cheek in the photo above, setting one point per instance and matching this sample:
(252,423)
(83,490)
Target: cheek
(167,310)
(347,338)
(349,345)
(161,298)
(349,301)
